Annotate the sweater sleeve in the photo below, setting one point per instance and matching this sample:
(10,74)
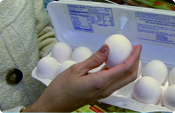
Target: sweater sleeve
(46,36)
(15,110)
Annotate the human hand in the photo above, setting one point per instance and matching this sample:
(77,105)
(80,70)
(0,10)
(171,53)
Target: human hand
(75,87)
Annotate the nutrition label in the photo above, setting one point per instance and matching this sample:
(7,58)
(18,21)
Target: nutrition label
(84,17)
(155,25)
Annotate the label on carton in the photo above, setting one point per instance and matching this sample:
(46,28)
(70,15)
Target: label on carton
(156,28)
(84,17)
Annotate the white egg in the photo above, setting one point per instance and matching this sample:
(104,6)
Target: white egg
(156,69)
(47,68)
(65,65)
(169,97)
(81,53)
(171,78)
(147,90)
(120,49)
(61,51)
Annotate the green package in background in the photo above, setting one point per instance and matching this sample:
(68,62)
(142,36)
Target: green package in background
(99,107)
(89,109)
(159,4)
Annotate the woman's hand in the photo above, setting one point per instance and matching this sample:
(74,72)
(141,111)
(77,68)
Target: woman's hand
(75,87)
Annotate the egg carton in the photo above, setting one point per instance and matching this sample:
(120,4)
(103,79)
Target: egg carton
(123,97)
(82,23)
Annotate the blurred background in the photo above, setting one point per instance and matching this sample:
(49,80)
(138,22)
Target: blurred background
(158,4)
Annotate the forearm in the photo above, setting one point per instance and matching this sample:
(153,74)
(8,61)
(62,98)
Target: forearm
(57,101)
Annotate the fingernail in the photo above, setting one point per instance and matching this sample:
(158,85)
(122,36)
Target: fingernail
(104,48)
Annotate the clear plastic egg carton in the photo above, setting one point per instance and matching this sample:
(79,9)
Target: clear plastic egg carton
(82,23)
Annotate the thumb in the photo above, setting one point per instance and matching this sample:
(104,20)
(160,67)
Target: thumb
(96,59)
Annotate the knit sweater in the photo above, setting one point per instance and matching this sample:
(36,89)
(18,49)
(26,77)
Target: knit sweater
(25,36)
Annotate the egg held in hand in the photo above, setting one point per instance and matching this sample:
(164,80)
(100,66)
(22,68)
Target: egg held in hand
(157,70)
(169,97)
(171,77)
(147,90)
(81,53)
(120,49)
(47,68)
(61,51)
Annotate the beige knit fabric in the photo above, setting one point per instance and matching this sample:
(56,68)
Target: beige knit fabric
(25,36)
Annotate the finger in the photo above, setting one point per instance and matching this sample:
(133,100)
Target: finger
(123,81)
(129,77)
(134,57)
(105,88)
(96,59)
(120,83)
(126,67)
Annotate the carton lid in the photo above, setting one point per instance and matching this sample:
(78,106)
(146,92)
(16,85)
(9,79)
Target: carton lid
(84,23)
